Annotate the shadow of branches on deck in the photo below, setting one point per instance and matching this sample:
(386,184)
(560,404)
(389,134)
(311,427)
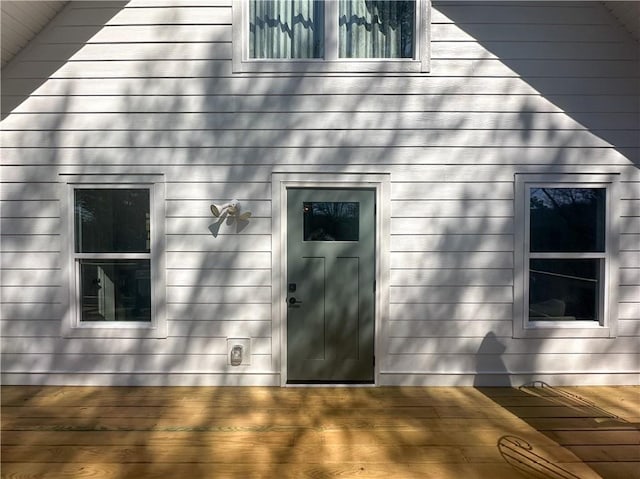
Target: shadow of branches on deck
(587,433)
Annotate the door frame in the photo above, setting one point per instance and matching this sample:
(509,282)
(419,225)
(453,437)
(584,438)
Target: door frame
(280,183)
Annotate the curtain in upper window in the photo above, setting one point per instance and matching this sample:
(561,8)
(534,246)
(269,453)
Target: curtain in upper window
(376,29)
(286,29)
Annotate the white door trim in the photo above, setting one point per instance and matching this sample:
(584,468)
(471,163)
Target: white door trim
(280,182)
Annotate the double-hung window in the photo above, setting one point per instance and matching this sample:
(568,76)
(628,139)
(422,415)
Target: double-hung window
(330,36)
(564,269)
(115,259)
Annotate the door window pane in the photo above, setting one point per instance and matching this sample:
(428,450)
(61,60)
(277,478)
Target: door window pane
(564,289)
(376,29)
(286,29)
(112,221)
(331,221)
(115,290)
(567,219)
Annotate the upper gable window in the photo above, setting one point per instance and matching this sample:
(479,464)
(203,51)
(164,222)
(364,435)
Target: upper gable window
(330,36)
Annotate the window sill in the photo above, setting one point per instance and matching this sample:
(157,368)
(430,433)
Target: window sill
(338,66)
(116,330)
(564,330)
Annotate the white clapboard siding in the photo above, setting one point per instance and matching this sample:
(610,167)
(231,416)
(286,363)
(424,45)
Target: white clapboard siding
(227,242)
(33,260)
(425,102)
(630,225)
(29,226)
(211,345)
(339,85)
(470,190)
(31,277)
(30,294)
(558,13)
(452,260)
(189,15)
(470,345)
(204,329)
(124,364)
(28,208)
(453,226)
(219,312)
(199,208)
(630,276)
(630,312)
(451,294)
(147,87)
(346,159)
(315,138)
(28,191)
(629,294)
(221,67)
(309,121)
(15,313)
(511,363)
(451,311)
(454,277)
(220,189)
(30,242)
(451,208)
(629,328)
(224,260)
(140,51)
(578,50)
(203,226)
(219,277)
(429,330)
(218,294)
(442,240)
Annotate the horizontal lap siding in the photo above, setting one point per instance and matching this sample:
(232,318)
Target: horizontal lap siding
(512,88)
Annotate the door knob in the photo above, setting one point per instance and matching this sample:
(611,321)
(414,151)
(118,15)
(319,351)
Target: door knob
(292,300)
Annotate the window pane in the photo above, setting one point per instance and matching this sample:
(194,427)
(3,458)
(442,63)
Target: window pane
(567,219)
(112,221)
(286,29)
(331,221)
(564,289)
(382,29)
(115,290)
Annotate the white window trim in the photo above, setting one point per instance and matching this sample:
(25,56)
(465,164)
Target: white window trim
(72,327)
(331,63)
(607,326)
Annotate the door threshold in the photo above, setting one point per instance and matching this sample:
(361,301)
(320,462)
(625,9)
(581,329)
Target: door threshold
(303,383)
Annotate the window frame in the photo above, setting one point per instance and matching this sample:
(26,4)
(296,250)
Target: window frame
(331,63)
(606,326)
(72,326)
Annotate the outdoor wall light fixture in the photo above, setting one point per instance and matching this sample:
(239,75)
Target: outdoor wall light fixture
(232,214)
(230,210)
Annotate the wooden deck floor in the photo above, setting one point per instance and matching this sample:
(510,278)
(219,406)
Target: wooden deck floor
(198,433)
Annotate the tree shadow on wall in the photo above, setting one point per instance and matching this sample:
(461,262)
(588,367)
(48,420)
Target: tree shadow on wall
(588,69)
(25,73)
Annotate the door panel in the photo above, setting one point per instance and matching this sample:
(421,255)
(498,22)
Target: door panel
(330,281)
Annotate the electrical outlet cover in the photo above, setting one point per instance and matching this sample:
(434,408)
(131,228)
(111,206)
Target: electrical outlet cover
(246,350)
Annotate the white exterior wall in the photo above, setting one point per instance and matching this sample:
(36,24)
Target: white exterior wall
(147,87)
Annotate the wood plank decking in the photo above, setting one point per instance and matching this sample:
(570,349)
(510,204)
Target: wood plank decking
(198,433)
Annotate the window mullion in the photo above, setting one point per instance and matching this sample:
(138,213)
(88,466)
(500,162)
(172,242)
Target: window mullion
(111,256)
(331,30)
(562,255)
